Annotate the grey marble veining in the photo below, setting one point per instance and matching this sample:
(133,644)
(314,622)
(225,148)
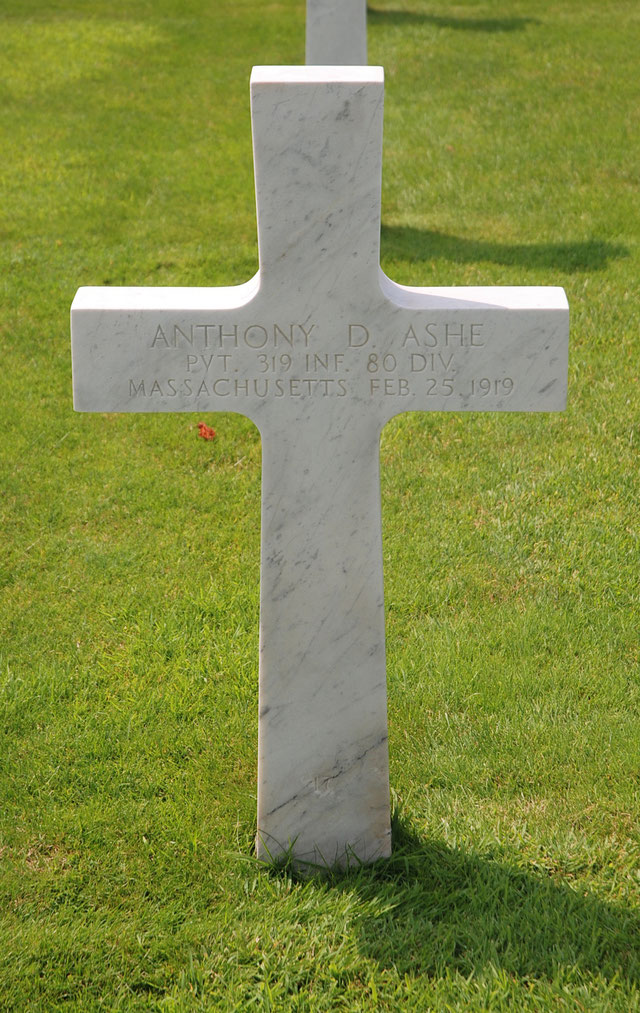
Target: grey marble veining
(320,349)
(336,32)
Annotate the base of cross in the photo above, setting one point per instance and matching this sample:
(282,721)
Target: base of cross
(323,771)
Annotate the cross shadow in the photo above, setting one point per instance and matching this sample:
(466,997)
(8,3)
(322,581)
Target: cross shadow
(397,17)
(430,909)
(406,243)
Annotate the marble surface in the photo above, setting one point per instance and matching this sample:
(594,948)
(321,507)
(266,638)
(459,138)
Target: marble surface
(336,32)
(320,349)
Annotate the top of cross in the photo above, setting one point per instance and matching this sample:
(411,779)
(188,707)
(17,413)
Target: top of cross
(320,302)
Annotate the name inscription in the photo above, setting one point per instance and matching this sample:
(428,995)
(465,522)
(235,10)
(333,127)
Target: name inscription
(261,360)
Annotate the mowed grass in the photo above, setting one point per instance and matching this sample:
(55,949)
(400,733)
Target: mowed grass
(129,570)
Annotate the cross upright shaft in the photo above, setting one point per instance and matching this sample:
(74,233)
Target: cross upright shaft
(320,349)
(323,783)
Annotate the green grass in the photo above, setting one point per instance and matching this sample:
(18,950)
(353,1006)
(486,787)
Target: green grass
(129,567)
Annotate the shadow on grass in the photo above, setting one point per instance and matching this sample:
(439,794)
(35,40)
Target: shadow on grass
(431,908)
(406,243)
(398,17)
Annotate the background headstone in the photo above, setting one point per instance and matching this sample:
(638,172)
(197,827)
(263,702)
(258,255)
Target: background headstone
(320,349)
(336,32)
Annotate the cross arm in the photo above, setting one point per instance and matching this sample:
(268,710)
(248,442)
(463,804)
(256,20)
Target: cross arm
(468,349)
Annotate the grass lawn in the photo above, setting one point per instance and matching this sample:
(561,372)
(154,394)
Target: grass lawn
(129,566)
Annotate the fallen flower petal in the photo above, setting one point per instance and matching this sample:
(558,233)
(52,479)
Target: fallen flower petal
(206,432)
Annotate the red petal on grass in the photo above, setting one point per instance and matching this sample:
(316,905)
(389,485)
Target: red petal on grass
(206,432)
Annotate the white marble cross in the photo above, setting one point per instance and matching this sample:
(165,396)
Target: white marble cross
(336,32)
(320,349)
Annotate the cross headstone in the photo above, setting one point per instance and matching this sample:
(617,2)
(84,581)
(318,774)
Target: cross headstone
(320,349)
(336,32)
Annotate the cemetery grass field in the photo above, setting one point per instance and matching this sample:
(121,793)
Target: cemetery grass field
(129,567)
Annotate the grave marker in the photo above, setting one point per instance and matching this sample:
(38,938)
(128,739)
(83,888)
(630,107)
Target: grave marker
(320,349)
(336,32)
